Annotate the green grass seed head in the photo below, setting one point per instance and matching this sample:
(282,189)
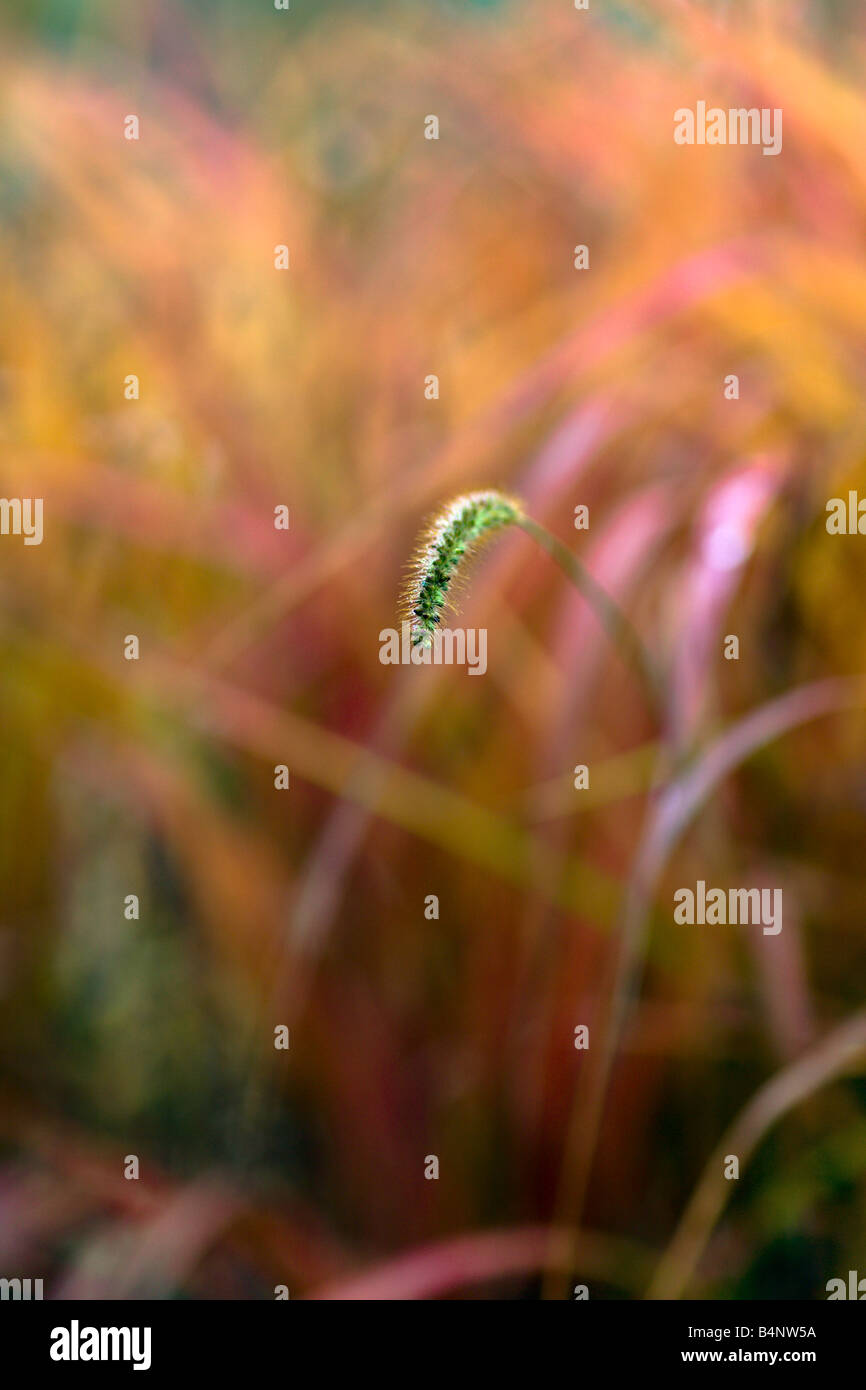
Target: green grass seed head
(442,551)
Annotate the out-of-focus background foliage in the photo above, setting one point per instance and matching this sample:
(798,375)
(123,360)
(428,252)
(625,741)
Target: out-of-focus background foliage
(410,1036)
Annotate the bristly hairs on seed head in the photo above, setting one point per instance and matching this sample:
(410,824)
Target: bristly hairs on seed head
(445,545)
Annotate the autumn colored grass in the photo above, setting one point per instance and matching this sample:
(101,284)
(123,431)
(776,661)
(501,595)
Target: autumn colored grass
(414,1034)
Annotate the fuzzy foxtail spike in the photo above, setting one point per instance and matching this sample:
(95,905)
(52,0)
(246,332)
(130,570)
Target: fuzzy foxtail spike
(447,541)
(458,529)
